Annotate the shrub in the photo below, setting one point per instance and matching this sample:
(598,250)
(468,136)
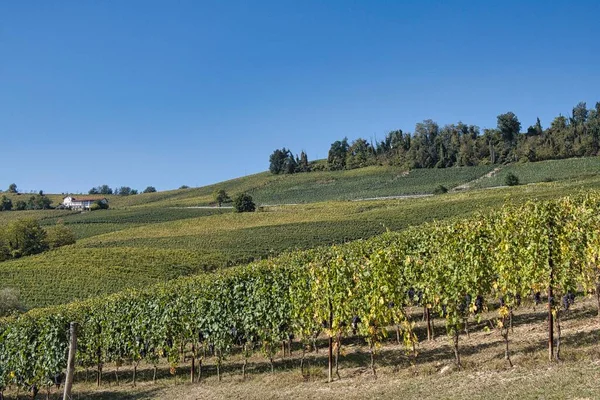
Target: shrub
(440,189)
(221,196)
(243,203)
(99,205)
(5,204)
(24,238)
(511,179)
(9,302)
(59,235)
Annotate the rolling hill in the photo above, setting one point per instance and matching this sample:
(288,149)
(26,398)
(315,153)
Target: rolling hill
(153,237)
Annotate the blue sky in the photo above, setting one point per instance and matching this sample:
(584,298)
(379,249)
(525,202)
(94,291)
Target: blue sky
(167,93)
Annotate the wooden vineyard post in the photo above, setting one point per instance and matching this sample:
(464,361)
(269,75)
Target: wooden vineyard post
(550,295)
(550,326)
(71,361)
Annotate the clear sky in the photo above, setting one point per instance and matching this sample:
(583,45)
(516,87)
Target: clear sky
(166,93)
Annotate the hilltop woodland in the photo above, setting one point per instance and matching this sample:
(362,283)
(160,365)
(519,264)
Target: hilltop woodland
(432,146)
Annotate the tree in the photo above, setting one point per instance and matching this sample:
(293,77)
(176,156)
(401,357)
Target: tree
(535,130)
(243,203)
(42,202)
(282,161)
(302,163)
(125,191)
(184,187)
(5,204)
(511,179)
(99,205)
(20,205)
(38,202)
(221,196)
(12,188)
(509,126)
(59,235)
(289,164)
(580,114)
(358,154)
(276,161)
(150,189)
(25,237)
(102,189)
(336,158)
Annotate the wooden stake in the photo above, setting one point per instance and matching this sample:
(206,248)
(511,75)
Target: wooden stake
(71,362)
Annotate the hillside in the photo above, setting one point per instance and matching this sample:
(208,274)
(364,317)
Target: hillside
(266,188)
(140,245)
(150,238)
(135,254)
(368,182)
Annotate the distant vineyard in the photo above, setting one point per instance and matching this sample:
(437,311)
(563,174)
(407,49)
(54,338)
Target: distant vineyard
(544,249)
(545,171)
(374,181)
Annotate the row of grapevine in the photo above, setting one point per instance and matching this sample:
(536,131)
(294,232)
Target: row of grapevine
(363,287)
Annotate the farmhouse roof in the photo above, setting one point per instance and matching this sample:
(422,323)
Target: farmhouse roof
(87,198)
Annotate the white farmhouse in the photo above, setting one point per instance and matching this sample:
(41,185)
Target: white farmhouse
(82,202)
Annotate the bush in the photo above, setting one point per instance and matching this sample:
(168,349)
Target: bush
(511,179)
(99,205)
(440,189)
(5,204)
(59,235)
(221,196)
(243,203)
(9,302)
(24,238)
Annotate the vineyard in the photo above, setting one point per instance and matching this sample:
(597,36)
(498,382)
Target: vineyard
(546,251)
(369,182)
(545,171)
(265,188)
(96,223)
(126,248)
